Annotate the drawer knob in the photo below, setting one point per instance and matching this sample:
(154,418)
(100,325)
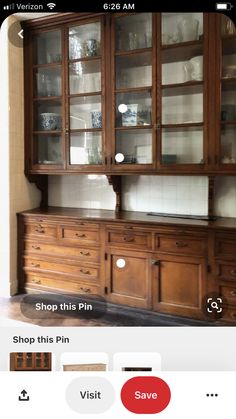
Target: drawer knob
(233,272)
(85,289)
(84,253)
(181,244)
(36,281)
(39,230)
(35,265)
(128,239)
(85,271)
(36,247)
(155,262)
(233,315)
(233,293)
(80,235)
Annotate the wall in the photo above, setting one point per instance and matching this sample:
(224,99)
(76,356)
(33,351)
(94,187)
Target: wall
(17,193)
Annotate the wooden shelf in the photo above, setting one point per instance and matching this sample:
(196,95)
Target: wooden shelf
(225,123)
(47,65)
(133,127)
(188,88)
(144,89)
(46,133)
(47,99)
(181,52)
(183,125)
(85,59)
(73,131)
(228,83)
(132,52)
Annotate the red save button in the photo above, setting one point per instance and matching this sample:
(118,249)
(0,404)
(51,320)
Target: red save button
(145,395)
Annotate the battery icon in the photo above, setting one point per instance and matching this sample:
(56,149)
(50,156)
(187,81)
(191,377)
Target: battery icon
(224,6)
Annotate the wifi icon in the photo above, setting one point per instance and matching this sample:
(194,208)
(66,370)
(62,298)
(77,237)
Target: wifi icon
(51,5)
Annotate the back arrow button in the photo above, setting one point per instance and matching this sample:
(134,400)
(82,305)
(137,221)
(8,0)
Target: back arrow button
(21,33)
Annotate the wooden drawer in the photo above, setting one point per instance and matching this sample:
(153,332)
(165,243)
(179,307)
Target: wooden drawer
(226,272)
(230,315)
(131,239)
(41,230)
(225,246)
(79,253)
(79,235)
(87,273)
(181,245)
(229,292)
(36,281)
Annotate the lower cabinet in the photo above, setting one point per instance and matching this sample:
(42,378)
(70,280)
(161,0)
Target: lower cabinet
(179,285)
(146,266)
(128,278)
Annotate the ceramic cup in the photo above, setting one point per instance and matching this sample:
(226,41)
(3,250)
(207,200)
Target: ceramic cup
(96,119)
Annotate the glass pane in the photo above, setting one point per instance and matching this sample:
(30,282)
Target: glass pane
(86,148)
(229,58)
(84,41)
(85,77)
(182,146)
(29,360)
(181,27)
(134,71)
(48,149)
(228,102)
(48,116)
(46,360)
(48,82)
(133,109)
(19,360)
(228,144)
(85,112)
(135,145)
(134,32)
(179,109)
(48,48)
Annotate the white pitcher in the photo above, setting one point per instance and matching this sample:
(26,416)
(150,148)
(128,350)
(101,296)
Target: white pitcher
(193,69)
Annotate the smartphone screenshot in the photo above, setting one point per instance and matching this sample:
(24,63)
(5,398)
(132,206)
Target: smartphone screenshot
(118,210)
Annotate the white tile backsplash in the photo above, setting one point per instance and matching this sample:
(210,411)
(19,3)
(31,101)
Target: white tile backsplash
(85,191)
(170,194)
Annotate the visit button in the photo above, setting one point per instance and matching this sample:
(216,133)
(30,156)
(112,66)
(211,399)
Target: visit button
(145,395)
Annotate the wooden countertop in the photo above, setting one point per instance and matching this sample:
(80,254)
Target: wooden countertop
(129,216)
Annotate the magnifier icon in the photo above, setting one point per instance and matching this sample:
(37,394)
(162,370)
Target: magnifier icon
(214,305)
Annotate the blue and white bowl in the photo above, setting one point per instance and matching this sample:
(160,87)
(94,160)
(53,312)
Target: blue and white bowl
(49,121)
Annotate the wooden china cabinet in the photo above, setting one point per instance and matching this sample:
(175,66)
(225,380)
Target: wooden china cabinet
(130,93)
(30,361)
(121,94)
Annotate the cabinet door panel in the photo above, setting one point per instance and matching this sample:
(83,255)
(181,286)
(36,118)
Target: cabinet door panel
(179,285)
(130,283)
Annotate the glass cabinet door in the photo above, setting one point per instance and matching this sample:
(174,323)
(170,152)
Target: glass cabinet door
(182,75)
(47,124)
(133,93)
(86,113)
(228,93)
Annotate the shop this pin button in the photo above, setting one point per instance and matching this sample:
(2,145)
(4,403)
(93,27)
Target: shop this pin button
(145,395)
